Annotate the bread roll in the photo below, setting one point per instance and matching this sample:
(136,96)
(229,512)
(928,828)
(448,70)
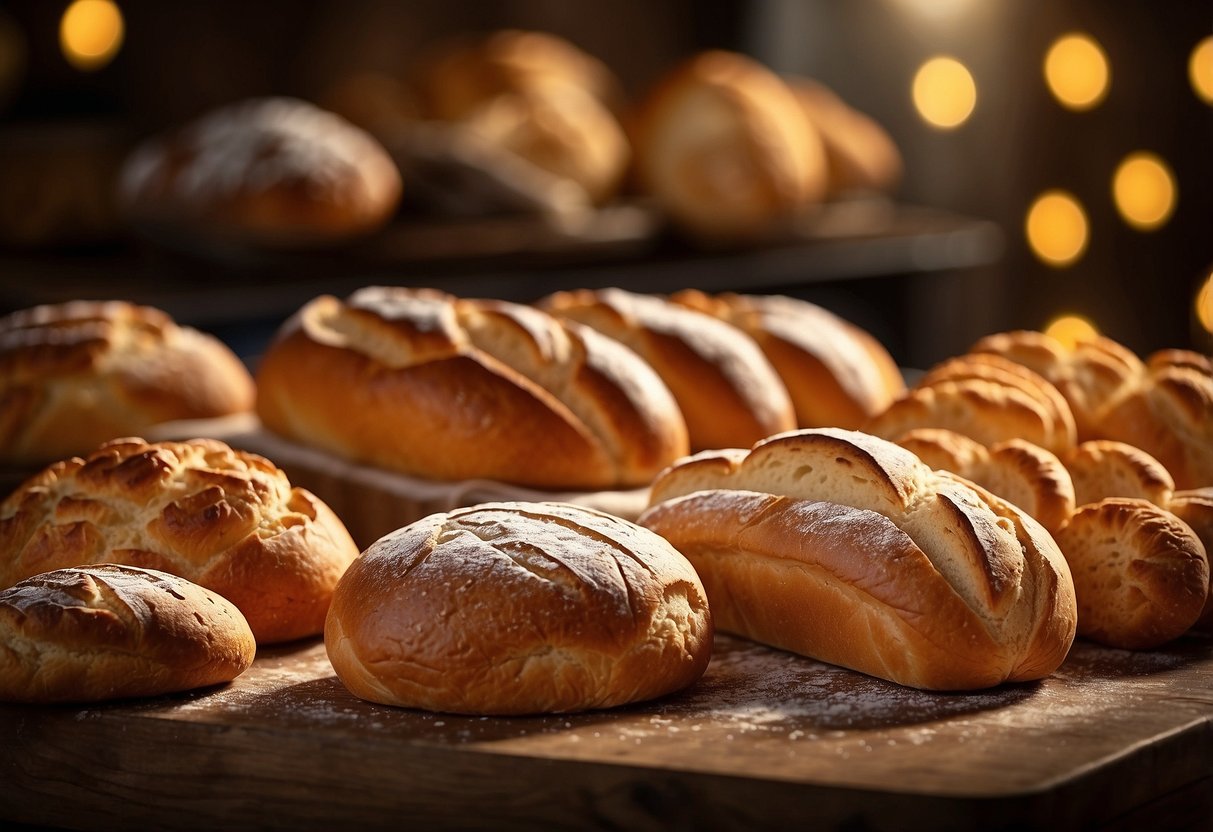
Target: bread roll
(74,375)
(271,172)
(728,392)
(519,608)
(447,389)
(723,146)
(224,519)
(1195,508)
(1141,575)
(1102,468)
(844,547)
(837,374)
(111,632)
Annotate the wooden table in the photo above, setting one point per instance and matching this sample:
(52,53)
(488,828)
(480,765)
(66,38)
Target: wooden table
(766,739)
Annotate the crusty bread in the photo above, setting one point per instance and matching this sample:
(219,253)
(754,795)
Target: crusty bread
(847,548)
(723,146)
(110,632)
(271,171)
(1102,468)
(519,608)
(1024,474)
(447,389)
(1195,507)
(837,374)
(224,519)
(77,374)
(1141,575)
(728,392)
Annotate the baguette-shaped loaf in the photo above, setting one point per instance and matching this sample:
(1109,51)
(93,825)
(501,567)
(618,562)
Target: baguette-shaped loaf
(837,374)
(225,519)
(847,548)
(519,608)
(111,631)
(443,388)
(727,390)
(77,374)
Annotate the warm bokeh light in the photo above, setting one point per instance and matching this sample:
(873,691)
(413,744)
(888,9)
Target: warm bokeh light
(1204,303)
(1076,71)
(1056,228)
(90,33)
(1070,329)
(1200,69)
(944,92)
(1144,190)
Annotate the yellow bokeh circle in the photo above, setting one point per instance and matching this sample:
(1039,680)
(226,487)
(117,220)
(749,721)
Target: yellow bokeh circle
(90,33)
(1200,70)
(1057,228)
(1144,190)
(1204,304)
(1077,72)
(944,92)
(1070,329)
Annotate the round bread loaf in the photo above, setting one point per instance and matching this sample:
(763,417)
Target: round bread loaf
(847,548)
(77,374)
(1195,508)
(1141,575)
(519,608)
(448,389)
(837,374)
(727,390)
(271,171)
(723,146)
(224,519)
(111,632)
(1104,468)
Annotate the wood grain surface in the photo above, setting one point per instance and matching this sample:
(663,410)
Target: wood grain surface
(765,739)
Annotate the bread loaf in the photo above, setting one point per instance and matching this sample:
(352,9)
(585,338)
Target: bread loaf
(111,632)
(270,172)
(725,149)
(447,389)
(519,608)
(74,375)
(1195,508)
(1102,468)
(1141,576)
(837,374)
(224,519)
(844,547)
(728,392)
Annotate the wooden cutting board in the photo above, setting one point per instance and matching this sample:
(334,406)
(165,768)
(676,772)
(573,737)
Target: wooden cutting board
(765,739)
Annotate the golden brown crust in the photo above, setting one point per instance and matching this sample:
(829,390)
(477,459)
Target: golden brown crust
(1140,574)
(519,608)
(442,388)
(837,374)
(111,631)
(270,171)
(722,144)
(77,374)
(920,577)
(1195,507)
(224,519)
(1104,468)
(727,390)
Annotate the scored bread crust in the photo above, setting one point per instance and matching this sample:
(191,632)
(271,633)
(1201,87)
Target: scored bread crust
(225,519)
(1103,468)
(113,631)
(837,374)
(920,577)
(519,608)
(77,374)
(421,382)
(727,390)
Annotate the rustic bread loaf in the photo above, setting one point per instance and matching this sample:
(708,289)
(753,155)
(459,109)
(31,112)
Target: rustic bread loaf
(447,389)
(1102,468)
(837,374)
(844,547)
(110,632)
(77,374)
(1195,508)
(1141,576)
(725,149)
(224,519)
(272,171)
(728,392)
(519,608)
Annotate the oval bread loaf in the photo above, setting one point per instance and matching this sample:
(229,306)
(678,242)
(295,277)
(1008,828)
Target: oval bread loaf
(847,548)
(519,608)
(1195,508)
(77,374)
(421,382)
(111,632)
(225,519)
